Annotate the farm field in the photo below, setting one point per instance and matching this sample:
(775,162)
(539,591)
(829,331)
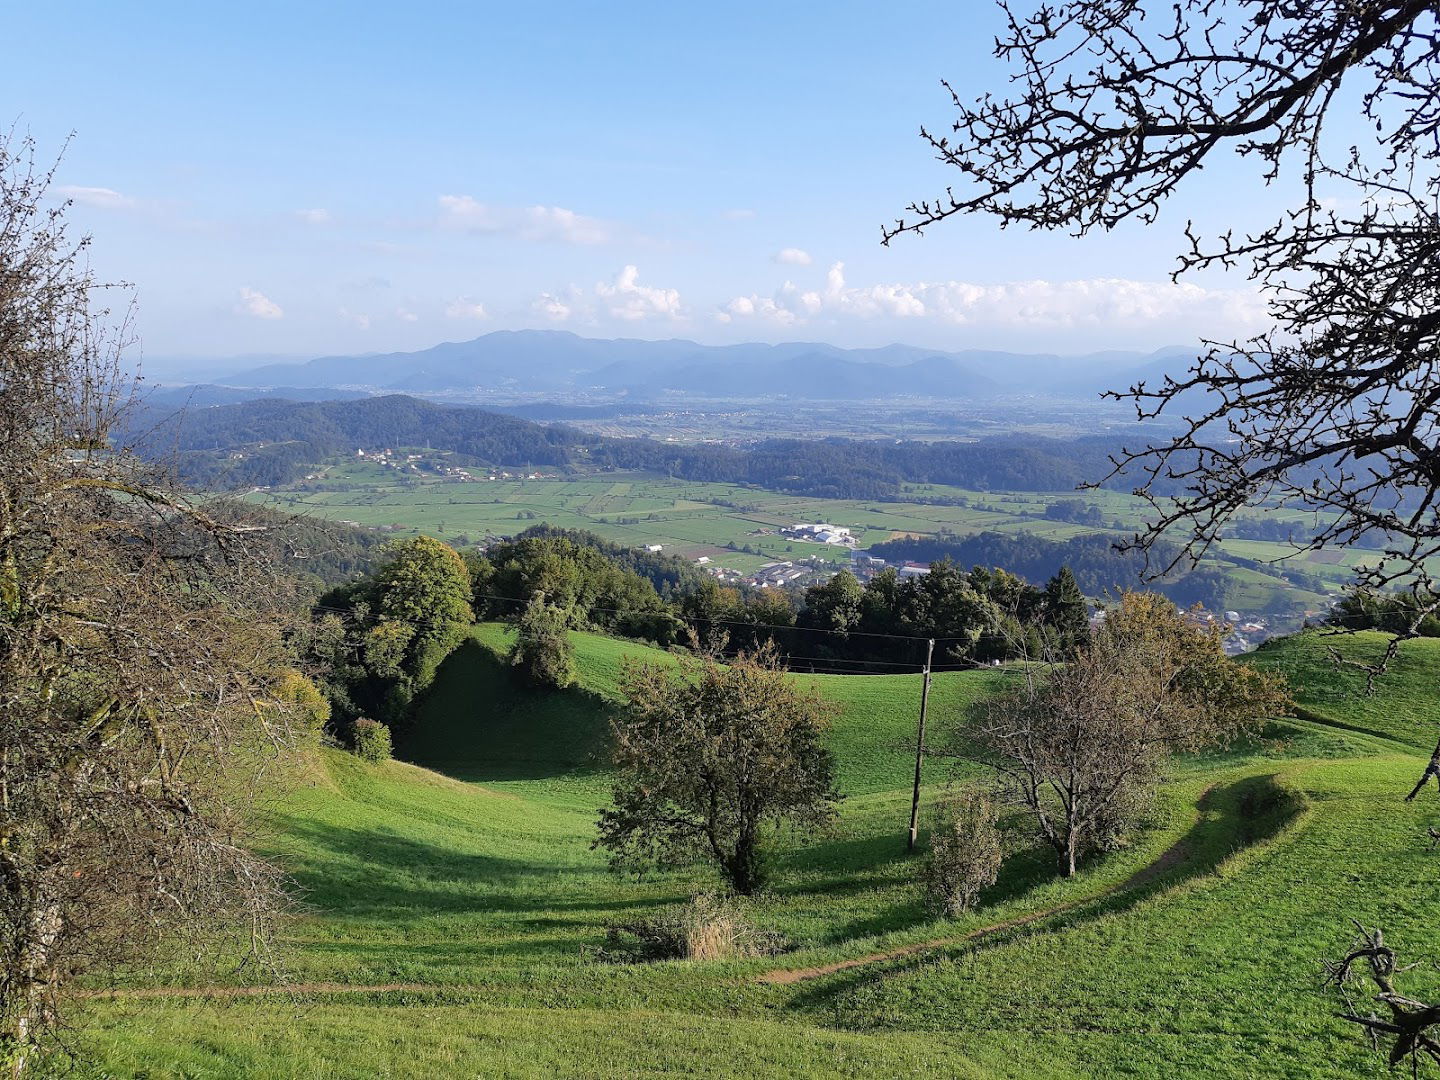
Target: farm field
(455,909)
(734,526)
(637,509)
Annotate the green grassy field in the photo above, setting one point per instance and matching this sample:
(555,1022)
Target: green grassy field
(717,520)
(455,906)
(686,517)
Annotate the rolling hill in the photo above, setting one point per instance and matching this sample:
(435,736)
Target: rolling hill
(454,909)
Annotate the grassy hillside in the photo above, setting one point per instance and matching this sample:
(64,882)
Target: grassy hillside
(1400,706)
(455,910)
(477,719)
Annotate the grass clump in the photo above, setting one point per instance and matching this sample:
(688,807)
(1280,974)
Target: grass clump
(707,927)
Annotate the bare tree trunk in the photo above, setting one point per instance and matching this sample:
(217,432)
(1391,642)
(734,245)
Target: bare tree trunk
(1072,839)
(1432,769)
(32,980)
(744,864)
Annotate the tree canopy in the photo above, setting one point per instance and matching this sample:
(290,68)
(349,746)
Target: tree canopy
(711,756)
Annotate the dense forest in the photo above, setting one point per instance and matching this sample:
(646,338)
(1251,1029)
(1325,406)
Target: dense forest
(1099,568)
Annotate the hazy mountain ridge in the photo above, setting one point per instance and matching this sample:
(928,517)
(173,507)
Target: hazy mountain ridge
(532,361)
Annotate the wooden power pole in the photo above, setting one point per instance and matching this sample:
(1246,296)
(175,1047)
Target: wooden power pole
(920,749)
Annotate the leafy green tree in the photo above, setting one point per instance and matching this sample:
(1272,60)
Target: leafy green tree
(371,740)
(710,758)
(482,582)
(1066,609)
(835,606)
(542,652)
(425,582)
(307,703)
(402,624)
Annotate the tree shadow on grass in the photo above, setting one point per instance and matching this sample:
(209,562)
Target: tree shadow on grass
(1247,812)
(377,873)
(477,722)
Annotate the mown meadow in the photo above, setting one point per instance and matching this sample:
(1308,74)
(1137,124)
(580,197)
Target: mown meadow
(454,908)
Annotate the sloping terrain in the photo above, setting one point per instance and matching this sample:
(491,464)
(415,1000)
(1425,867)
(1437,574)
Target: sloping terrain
(454,910)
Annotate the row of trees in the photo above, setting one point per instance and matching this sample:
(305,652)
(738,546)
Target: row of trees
(979,615)
(1098,568)
(715,758)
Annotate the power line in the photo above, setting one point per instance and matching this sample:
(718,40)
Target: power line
(741,622)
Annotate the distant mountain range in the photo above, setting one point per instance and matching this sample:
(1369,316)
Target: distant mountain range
(552,361)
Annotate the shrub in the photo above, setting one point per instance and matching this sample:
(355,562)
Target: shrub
(543,653)
(707,927)
(371,740)
(965,853)
(309,706)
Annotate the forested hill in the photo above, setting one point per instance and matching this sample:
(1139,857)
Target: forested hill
(263,443)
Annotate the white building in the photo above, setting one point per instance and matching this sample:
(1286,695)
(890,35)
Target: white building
(821,533)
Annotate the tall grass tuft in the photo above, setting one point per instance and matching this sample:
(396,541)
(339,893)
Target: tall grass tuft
(707,927)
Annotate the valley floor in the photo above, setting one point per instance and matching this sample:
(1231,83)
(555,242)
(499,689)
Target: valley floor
(455,912)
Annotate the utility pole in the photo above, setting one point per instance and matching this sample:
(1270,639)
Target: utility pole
(920,749)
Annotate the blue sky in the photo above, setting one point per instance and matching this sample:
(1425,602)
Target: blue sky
(301,179)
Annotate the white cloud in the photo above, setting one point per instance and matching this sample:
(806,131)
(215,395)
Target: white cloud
(788,306)
(630,301)
(254,302)
(792,257)
(318,216)
(538,224)
(553,308)
(739,214)
(623,299)
(557,223)
(464,308)
(465,212)
(405,315)
(1085,304)
(103,197)
(356,318)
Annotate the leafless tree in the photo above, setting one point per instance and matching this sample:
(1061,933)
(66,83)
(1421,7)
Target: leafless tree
(140,657)
(1334,408)
(1087,741)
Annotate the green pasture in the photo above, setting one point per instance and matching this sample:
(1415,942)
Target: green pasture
(454,907)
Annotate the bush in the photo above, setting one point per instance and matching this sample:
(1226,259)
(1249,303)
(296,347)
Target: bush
(543,653)
(708,927)
(307,704)
(371,740)
(965,854)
